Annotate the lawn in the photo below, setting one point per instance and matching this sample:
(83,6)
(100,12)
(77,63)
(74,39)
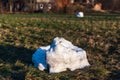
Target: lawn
(22,34)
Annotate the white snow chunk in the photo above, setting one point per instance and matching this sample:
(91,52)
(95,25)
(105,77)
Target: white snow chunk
(60,56)
(79,14)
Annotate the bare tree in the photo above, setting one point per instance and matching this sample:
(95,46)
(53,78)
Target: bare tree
(0,6)
(11,6)
(3,6)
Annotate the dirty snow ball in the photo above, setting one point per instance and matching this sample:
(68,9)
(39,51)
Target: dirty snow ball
(60,55)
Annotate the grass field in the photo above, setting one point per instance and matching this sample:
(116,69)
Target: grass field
(22,34)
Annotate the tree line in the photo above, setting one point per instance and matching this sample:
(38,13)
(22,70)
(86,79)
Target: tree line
(31,5)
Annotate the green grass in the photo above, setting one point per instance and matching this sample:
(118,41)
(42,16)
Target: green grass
(22,34)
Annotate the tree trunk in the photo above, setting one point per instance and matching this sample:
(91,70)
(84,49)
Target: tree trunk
(1,8)
(11,6)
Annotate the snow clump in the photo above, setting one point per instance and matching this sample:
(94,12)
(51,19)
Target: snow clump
(60,56)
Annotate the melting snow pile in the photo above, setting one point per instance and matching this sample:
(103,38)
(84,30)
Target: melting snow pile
(60,55)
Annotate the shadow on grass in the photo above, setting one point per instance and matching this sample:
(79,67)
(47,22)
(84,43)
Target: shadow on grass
(9,55)
(115,75)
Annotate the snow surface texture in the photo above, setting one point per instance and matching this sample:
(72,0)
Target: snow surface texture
(60,56)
